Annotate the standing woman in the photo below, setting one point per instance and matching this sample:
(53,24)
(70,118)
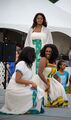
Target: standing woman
(38,35)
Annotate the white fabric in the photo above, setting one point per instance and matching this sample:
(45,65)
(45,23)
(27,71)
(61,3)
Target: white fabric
(18,97)
(56,89)
(44,35)
(58,15)
(69,55)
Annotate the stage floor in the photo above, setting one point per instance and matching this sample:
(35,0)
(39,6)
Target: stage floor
(50,113)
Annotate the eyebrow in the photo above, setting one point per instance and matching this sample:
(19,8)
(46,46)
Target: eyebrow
(48,51)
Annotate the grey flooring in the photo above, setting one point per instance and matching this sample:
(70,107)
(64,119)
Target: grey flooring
(50,113)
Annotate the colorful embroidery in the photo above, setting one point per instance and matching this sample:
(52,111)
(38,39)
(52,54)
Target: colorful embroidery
(37,44)
(52,72)
(34,109)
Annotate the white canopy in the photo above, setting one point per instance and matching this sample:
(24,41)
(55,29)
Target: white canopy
(64,5)
(19,14)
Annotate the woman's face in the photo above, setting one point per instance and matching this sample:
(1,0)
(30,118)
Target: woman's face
(48,52)
(39,20)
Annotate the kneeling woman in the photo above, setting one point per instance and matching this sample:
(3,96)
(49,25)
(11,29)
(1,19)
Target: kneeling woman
(22,94)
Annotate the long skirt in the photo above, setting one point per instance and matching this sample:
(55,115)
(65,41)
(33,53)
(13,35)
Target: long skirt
(20,99)
(56,95)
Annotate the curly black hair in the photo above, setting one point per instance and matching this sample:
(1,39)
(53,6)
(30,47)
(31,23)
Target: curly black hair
(54,54)
(28,55)
(44,20)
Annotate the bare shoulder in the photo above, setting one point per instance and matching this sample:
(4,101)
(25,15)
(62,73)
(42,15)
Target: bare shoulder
(43,60)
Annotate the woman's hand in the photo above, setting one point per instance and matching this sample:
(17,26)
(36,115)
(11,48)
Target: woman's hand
(33,85)
(47,89)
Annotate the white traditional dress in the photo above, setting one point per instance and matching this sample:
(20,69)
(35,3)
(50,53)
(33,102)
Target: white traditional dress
(38,40)
(57,95)
(20,99)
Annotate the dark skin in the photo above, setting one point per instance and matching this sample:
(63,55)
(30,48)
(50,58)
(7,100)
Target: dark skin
(61,70)
(39,21)
(44,63)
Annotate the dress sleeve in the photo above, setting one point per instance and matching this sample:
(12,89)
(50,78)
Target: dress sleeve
(21,66)
(49,37)
(28,38)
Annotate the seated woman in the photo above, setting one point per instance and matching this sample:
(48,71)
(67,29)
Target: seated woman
(55,92)
(22,94)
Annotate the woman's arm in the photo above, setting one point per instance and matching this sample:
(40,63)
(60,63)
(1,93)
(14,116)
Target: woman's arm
(42,65)
(49,37)
(28,38)
(25,82)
